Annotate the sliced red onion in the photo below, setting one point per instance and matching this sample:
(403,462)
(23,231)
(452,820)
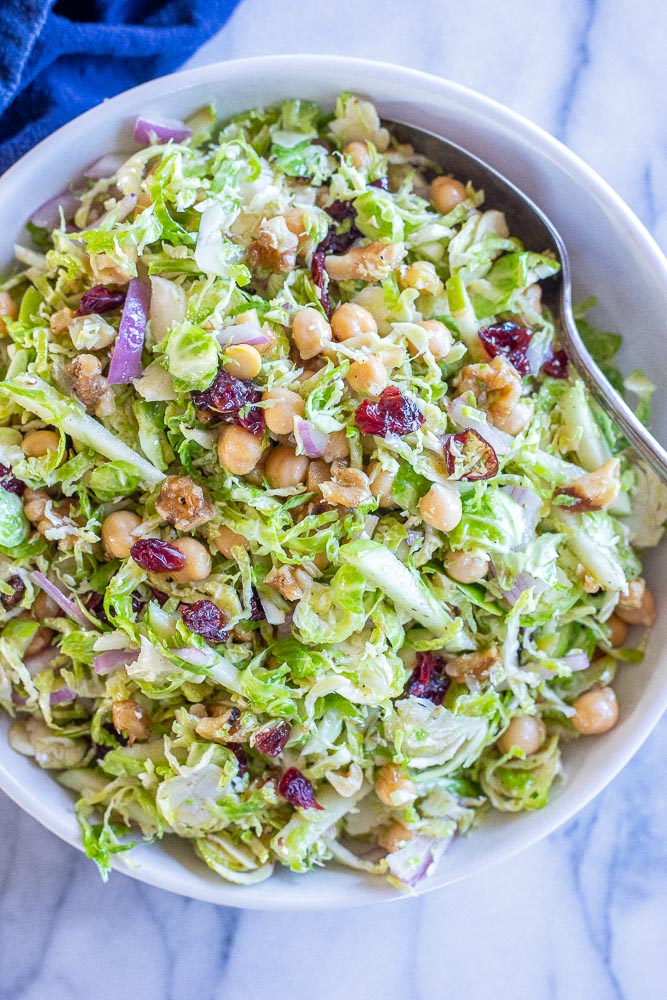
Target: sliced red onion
(284,630)
(106,166)
(154,131)
(62,696)
(47,216)
(523,582)
(126,361)
(67,604)
(531,504)
(577,660)
(118,213)
(313,442)
(114,659)
(242,333)
(417,859)
(501,442)
(40,661)
(197,657)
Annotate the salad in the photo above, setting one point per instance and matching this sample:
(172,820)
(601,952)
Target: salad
(313,548)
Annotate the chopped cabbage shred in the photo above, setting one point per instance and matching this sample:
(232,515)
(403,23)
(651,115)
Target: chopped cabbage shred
(390,588)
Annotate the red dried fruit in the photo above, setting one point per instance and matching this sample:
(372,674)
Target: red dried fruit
(335,243)
(231,399)
(557,365)
(479,457)
(428,679)
(159,596)
(206,619)
(271,739)
(381,182)
(256,610)
(100,299)
(10,601)
(95,604)
(9,482)
(156,556)
(391,413)
(510,340)
(341,210)
(296,788)
(241,757)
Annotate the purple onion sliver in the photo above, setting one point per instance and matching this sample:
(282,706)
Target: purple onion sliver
(416,860)
(47,216)
(577,660)
(113,659)
(531,504)
(501,442)
(314,442)
(62,600)
(62,696)
(151,131)
(126,361)
(191,654)
(106,166)
(40,661)
(523,582)
(243,333)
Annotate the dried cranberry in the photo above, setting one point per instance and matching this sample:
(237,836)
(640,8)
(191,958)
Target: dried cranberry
(10,601)
(101,749)
(295,787)
(336,243)
(256,610)
(391,413)
(381,182)
(241,757)
(159,596)
(232,398)
(478,455)
(341,210)
(510,340)
(9,482)
(272,739)
(206,619)
(428,679)
(156,556)
(99,299)
(557,365)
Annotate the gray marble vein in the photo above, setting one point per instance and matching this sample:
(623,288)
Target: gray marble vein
(581,915)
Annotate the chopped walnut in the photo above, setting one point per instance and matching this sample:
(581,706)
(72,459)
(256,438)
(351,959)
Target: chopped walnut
(496,387)
(637,606)
(595,491)
(347,487)
(182,502)
(473,666)
(222,725)
(129,717)
(88,383)
(61,320)
(275,247)
(370,263)
(290,581)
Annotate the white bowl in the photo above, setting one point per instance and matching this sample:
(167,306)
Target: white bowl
(612,256)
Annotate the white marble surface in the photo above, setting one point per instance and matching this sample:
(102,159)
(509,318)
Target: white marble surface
(581,915)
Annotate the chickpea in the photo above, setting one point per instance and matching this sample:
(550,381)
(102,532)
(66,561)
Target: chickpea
(337,447)
(421,275)
(239,451)
(294,221)
(285,468)
(117,537)
(394,838)
(618,630)
(44,607)
(446,193)
(40,640)
(227,540)
(310,332)
(38,443)
(393,788)
(243,361)
(280,416)
(526,732)
(596,711)
(349,320)
(8,310)
(197,561)
(637,607)
(381,482)
(439,338)
(466,567)
(359,154)
(441,507)
(368,377)
(318,472)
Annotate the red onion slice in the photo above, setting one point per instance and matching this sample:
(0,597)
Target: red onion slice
(113,659)
(577,660)
(523,582)
(118,213)
(126,361)
(242,333)
(47,216)
(531,504)
(501,442)
(106,166)
(197,657)
(62,696)
(40,661)
(151,131)
(417,859)
(313,442)
(67,604)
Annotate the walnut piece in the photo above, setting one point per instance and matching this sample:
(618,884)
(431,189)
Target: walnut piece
(495,386)
(595,491)
(290,581)
(473,666)
(370,263)
(60,321)
(88,383)
(182,502)
(275,247)
(347,487)
(129,717)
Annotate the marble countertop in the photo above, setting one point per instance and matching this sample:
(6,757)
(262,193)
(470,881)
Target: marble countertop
(578,916)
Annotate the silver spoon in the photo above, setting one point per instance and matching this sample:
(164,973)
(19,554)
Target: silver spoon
(538,233)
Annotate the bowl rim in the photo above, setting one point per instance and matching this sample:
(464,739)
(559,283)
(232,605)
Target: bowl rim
(636,236)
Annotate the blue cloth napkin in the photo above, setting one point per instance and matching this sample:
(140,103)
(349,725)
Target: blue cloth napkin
(61,57)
